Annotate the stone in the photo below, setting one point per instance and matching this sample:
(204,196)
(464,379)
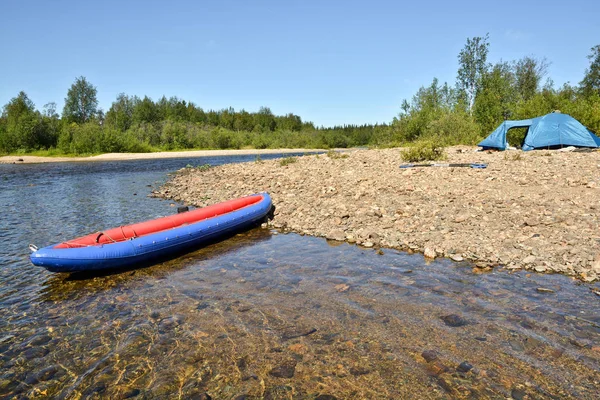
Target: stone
(342,287)
(429,355)
(544,290)
(357,371)
(337,234)
(429,253)
(461,218)
(532,222)
(464,367)
(596,264)
(529,260)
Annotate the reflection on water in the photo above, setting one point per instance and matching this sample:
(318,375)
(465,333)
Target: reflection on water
(273,316)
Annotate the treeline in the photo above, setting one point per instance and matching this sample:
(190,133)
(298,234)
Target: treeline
(485,94)
(134,124)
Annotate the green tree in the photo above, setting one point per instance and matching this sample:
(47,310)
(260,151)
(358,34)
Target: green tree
(195,114)
(120,114)
(22,125)
(145,111)
(265,120)
(496,97)
(429,104)
(81,104)
(591,82)
(227,118)
(289,122)
(243,121)
(50,126)
(529,73)
(177,109)
(473,65)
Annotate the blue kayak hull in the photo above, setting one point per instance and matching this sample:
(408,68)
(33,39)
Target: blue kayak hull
(154,247)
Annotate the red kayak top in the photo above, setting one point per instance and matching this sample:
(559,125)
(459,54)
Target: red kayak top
(132,231)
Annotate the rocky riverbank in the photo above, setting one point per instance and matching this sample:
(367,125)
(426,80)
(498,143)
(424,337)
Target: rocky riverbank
(537,210)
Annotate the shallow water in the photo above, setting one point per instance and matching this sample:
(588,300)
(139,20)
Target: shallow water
(268,315)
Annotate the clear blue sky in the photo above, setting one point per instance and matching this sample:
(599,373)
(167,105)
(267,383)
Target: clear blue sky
(331,62)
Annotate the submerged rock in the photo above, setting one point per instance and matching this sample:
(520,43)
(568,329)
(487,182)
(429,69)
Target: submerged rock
(284,370)
(454,320)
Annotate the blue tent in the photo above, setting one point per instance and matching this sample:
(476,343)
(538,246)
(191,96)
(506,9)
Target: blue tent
(549,131)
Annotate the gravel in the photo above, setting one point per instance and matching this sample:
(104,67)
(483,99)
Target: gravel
(535,210)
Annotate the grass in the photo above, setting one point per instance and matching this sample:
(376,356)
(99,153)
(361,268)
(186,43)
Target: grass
(510,156)
(44,153)
(335,155)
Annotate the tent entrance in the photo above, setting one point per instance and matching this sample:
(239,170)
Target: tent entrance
(515,136)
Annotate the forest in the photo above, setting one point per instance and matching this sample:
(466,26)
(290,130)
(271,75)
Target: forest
(463,112)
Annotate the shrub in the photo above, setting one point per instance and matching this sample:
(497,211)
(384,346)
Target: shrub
(287,160)
(452,129)
(423,151)
(85,138)
(335,155)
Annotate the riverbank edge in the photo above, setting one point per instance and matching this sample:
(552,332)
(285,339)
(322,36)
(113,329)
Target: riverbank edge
(148,156)
(535,211)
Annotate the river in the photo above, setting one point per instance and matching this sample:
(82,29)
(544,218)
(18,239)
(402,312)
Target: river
(268,315)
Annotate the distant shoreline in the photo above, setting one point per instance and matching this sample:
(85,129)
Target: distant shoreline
(147,156)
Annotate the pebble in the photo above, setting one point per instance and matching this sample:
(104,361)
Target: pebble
(357,371)
(464,367)
(517,394)
(429,355)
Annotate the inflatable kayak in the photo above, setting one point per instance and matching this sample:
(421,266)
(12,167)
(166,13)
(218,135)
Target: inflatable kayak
(150,241)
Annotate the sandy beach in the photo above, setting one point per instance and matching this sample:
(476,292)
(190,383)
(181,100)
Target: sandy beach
(535,210)
(145,156)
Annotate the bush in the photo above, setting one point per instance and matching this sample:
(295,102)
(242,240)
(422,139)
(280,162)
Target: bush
(287,160)
(452,129)
(81,139)
(225,139)
(423,151)
(335,155)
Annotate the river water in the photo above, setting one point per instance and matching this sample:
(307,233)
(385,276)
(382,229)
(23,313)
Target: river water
(268,315)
